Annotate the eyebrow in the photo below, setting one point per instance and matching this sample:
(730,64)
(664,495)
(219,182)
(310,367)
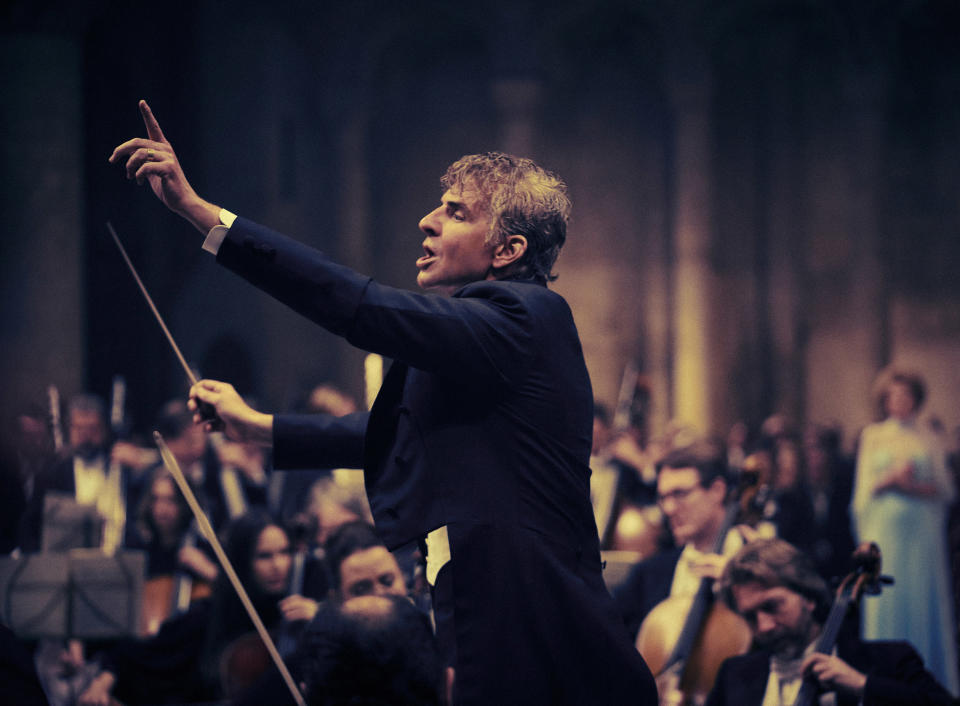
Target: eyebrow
(457,206)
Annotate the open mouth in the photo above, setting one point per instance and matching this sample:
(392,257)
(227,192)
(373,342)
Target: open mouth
(427,259)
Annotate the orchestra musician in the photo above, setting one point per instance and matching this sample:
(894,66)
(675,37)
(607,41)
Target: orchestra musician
(86,474)
(176,558)
(358,565)
(208,467)
(692,491)
(181,663)
(785,601)
(479,439)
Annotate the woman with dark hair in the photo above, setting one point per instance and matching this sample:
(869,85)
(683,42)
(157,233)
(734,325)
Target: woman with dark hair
(902,492)
(182,663)
(160,526)
(176,559)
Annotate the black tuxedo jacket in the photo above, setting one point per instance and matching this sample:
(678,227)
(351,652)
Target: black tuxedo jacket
(483,424)
(647,584)
(895,677)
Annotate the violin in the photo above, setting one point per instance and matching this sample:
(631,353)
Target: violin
(865,578)
(171,595)
(710,631)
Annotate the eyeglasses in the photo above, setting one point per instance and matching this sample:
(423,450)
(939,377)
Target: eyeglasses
(678,495)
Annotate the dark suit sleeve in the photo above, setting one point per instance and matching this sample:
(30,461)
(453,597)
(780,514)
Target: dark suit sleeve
(306,441)
(646,585)
(487,328)
(898,678)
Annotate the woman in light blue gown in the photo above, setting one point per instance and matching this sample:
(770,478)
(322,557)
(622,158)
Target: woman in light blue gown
(901,498)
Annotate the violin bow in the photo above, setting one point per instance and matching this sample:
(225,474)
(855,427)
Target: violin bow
(206,529)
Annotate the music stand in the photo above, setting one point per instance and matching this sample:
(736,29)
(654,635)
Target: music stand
(69,525)
(78,594)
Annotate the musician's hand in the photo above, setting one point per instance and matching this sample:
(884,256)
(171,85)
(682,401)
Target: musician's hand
(71,657)
(98,693)
(152,158)
(748,533)
(833,673)
(198,562)
(624,448)
(246,458)
(240,421)
(297,607)
(708,565)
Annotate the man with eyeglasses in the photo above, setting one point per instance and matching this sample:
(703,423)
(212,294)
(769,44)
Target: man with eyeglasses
(692,487)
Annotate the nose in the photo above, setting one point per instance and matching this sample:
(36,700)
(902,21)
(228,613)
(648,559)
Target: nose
(279,564)
(668,506)
(429,224)
(765,623)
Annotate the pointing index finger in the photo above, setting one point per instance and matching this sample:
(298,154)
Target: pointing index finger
(153,127)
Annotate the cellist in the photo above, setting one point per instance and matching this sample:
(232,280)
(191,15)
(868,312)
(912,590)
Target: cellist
(686,636)
(776,589)
(692,490)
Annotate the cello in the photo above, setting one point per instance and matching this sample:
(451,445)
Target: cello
(685,664)
(865,578)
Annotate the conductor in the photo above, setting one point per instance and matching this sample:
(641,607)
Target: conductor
(478,442)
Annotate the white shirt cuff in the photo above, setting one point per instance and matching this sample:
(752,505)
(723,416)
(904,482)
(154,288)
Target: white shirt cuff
(217,234)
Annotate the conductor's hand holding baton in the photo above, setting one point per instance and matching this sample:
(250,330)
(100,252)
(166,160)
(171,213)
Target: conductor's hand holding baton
(241,422)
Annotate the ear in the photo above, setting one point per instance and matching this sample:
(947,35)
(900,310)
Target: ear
(509,251)
(718,489)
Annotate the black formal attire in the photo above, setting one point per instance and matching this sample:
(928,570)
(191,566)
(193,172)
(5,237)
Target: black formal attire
(60,478)
(895,677)
(19,683)
(647,584)
(483,425)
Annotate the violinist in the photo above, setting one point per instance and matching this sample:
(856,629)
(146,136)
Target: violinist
(785,601)
(692,490)
(162,522)
(204,465)
(181,663)
(177,560)
(85,473)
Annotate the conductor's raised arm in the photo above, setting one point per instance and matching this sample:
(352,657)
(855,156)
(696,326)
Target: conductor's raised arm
(152,158)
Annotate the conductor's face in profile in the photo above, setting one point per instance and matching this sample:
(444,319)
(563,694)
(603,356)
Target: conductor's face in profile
(455,251)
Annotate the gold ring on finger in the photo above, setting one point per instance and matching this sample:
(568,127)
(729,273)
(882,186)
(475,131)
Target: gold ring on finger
(149,155)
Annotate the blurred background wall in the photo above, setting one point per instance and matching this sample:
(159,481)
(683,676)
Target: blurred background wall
(765,192)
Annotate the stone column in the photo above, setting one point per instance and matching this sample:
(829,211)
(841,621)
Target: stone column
(781,196)
(42,310)
(849,342)
(694,382)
